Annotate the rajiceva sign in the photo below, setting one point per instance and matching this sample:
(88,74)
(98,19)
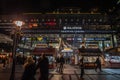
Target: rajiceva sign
(72,27)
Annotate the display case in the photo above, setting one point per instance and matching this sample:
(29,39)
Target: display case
(115,59)
(112,57)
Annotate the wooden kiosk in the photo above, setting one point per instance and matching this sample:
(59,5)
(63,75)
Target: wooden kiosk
(90,55)
(112,57)
(49,52)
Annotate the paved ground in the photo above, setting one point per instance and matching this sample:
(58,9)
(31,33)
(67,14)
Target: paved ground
(69,73)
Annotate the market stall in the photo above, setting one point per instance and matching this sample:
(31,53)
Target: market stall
(112,56)
(90,55)
(49,52)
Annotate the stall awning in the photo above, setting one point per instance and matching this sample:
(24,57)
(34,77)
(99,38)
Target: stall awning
(47,51)
(113,51)
(90,51)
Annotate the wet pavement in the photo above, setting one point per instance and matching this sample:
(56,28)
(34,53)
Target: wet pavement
(70,73)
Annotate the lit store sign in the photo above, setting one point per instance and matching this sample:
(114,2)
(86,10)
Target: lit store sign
(96,39)
(72,27)
(72,31)
(87,39)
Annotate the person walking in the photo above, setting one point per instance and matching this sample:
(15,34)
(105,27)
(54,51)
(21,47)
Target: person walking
(29,69)
(82,68)
(4,62)
(57,63)
(43,65)
(98,64)
(62,61)
(82,59)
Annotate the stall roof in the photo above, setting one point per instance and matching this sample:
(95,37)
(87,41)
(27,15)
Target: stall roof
(47,51)
(113,51)
(90,51)
(5,39)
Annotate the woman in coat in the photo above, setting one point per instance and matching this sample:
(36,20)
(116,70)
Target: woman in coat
(29,69)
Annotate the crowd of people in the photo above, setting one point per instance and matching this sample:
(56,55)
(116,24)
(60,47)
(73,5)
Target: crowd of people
(30,68)
(31,65)
(43,66)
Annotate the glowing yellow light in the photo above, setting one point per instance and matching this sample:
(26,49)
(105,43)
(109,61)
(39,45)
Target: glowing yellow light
(39,38)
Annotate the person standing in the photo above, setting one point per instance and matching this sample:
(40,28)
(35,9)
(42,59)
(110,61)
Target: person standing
(29,69)
(43,65)
(98,64)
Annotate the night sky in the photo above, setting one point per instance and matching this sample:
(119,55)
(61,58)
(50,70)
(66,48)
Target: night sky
(16,6)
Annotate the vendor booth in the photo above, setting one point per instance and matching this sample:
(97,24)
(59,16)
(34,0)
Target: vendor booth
(112,56)
(49,52)
(90,55)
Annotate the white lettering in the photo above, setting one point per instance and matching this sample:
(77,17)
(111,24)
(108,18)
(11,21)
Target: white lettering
(72,27)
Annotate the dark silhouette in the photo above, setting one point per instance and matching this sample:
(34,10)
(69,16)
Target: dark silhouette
(98,64)
(68,60)
(62,61)
(4,62)
(34,58)
(82,68)
(43,65)
(81,60)
(57,63)
(29,69)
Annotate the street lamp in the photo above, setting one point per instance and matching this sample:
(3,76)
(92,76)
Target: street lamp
(16,33)
(18,23)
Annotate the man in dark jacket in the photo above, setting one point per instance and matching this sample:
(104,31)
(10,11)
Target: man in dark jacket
(57,63)
(43,64)
(62,61)
(82,67)
(98,64)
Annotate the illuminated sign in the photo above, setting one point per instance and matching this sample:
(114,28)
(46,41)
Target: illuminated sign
(79,38)
(41,46)
(72,31)
(72,27)
(51,23)
(100,39)
(87,39)
(69,39)
(90,39)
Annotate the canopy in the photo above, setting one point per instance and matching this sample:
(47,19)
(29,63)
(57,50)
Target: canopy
(113,51)
(5,39)
(47,51)
(90,51)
